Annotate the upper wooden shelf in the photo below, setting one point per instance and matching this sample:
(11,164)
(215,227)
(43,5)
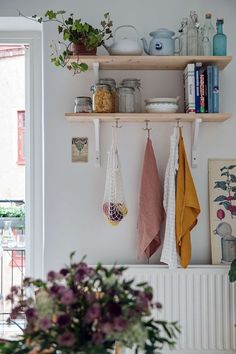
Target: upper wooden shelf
(146,62)
(152,117)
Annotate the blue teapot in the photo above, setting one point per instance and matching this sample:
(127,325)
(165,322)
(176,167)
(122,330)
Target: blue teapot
(162,43)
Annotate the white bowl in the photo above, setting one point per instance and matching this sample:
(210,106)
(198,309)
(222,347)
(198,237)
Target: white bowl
(162,105)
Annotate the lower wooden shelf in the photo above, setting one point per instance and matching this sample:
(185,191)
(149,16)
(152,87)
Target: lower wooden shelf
(152,117)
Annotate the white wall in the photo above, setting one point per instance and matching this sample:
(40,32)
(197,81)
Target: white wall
(73,192)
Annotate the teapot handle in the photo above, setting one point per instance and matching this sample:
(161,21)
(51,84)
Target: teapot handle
(130,26)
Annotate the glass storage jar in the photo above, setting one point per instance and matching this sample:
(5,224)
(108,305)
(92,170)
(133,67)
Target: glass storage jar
(83,105)
(112,83)
(102,98)
(126,99)
(136,85)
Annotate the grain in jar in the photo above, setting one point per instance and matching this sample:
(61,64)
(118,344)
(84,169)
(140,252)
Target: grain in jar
(83,105)
(126,99)
(102,98)
(112,83)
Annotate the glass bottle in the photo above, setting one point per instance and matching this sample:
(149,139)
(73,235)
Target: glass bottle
(8,238)
(136,85)
(193,32)
(126,99)
(183,36)
(219,39)
(208,32)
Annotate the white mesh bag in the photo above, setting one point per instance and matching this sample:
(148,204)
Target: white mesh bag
(114,205)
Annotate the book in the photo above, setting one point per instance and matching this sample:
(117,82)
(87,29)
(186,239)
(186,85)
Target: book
(189,88)
(209,89)
(205,90)
(197,86)
(215,89)
(202,91)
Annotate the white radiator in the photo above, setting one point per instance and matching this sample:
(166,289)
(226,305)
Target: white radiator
(201,299)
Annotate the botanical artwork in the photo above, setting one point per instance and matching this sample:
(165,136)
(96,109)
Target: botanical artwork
(222,194)
(79,149)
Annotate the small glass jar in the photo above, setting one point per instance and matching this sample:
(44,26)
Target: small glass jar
(83,105)
(102,98)
(126,99)
(112,83)
(136,85)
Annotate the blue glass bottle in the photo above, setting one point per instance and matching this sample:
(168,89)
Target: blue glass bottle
(220,39)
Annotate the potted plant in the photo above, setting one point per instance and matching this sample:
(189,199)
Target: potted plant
(83,309)
(78,38)
(14,214)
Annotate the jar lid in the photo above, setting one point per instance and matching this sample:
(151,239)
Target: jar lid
(132,82)
(163,100)
(83,98)
(100,86)
(126,89)
(107,80)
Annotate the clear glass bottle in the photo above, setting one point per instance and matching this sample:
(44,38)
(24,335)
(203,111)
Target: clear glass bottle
(102,98)
(184,36)
(112,83)
(126,99)
(8,238)
(83,105)
(219,39)
(136,85)
(193,33)
(208,32)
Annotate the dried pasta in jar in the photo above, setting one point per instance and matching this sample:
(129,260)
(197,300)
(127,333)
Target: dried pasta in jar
(102,99)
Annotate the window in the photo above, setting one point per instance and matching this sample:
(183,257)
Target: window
(21,137)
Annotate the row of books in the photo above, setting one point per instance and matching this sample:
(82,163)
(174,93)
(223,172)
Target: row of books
(201,88)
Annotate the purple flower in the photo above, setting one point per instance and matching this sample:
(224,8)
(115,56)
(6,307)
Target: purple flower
(82,271)
(120,324)
(15,289)
(31,314)
(97,338)
(57,289)
(90,297)
(106,327)
(67,297)
(45,324)
(93,313)
(114,309)
(63,320)
(64,271)
(158,305)
(51,275)
(142,302)
(66,339)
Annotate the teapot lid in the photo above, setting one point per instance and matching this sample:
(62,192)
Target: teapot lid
(163,32)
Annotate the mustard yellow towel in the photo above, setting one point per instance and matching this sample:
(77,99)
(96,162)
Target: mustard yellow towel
(187,206)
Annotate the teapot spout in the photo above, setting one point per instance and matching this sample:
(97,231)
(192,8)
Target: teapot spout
(145,46)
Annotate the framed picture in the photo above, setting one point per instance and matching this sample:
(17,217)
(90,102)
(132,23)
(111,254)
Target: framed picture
(222,201)
(79,148)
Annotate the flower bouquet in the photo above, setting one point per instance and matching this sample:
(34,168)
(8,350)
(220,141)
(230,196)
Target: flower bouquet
(83,309)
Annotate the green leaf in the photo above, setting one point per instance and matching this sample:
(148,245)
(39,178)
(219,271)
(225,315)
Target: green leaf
(233,178)
(232,271)
(83,67)
(225,174)
(221,185)
(220,198)
(223,168)
(225,204)
(231,167)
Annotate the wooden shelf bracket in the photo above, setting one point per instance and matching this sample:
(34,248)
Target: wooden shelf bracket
(96,122)
(195,133)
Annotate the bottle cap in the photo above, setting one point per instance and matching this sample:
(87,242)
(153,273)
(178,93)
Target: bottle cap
(220,21)
(208,15)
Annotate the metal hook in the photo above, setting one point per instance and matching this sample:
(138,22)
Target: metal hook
(178,123)
(147,128)
(117,123)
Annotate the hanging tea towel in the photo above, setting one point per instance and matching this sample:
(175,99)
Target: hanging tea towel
(151,211)
(169,253)
(187,206)
(114,205)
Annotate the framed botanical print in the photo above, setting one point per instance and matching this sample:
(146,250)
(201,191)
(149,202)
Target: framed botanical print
(222,202)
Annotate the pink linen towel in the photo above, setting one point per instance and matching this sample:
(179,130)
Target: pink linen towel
(151,211)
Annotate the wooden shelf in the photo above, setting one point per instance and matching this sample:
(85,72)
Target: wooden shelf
(145,62)
(152,117)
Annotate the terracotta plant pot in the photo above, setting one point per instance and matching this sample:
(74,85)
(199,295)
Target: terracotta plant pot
(80,49)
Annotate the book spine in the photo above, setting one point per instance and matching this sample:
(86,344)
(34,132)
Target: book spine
(215,84)
(210,89)
(205,91)
(202,92)
(189,85)
(197,86)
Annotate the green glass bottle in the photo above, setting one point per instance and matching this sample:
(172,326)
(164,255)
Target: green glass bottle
(220,39)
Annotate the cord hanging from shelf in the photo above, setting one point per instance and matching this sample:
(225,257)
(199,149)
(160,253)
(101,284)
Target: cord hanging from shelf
(147,128)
